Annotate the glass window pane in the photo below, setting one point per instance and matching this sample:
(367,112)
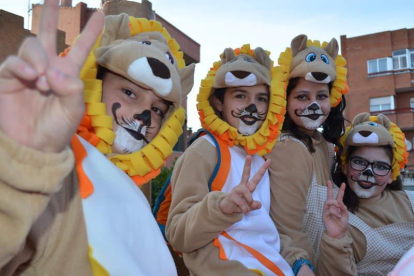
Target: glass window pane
(412,102)
(412,60)
(374,108)
(396,63)
(372,66)
(403,62)
(382,65)
(399,52)
(385,107)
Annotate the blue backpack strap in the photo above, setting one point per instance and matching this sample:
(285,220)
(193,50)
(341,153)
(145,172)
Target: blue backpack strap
(161,196)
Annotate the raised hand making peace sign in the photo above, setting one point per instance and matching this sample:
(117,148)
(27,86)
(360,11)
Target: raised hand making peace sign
(335,214)
(240,199)
(41,99)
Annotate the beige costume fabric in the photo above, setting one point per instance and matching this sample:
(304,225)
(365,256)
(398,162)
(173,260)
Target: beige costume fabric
(379,234)
(296,183)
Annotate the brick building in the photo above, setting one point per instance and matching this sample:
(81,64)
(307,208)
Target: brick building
(381,80)
(12,34)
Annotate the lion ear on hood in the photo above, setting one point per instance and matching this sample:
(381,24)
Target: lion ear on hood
(360,118)
(298,44)
(332,48)
(383,120)
(116,27)
(262,57)
(228,55)
(187,79)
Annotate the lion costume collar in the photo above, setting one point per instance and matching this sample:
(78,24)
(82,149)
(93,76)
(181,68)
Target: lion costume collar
(96,126)
(305,55)
(263,140)
(376,131)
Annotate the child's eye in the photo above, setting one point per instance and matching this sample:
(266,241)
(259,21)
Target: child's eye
(240,96)
(302,97)
(263,99)
(158,111)
(322,97)
(129,93)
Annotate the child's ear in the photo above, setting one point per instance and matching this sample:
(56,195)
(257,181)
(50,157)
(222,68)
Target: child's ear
(187,79)
(217,104)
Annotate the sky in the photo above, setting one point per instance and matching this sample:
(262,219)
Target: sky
(270,24)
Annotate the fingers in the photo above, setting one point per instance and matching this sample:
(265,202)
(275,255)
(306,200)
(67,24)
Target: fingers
(62,84)
(33,53)
(330,191)
(252,184)
(48,26)
(246,170)
(85,42)
(15,67)
(240,203)
(341,192)
(331,208)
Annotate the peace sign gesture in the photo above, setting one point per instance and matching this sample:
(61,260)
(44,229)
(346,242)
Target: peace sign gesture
(240,199)
(335,214)
(41,99)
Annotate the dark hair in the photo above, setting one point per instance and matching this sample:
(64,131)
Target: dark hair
(101,72)
(351,200)
(219,93)
(333,127)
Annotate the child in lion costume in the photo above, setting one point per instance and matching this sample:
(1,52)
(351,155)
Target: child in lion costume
(91,218)
(219,216)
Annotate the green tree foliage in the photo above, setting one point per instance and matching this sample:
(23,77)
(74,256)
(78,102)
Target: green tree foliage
(158,183)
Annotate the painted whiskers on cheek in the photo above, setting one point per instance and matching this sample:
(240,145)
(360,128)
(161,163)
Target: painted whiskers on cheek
(312,111)
(369,179)
(131,133)
(249,115)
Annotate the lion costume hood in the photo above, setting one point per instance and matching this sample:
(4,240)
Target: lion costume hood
(143,52)
(376,131)
(244,67)
(316,63)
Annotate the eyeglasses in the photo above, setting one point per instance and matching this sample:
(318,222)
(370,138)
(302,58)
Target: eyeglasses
(378,168)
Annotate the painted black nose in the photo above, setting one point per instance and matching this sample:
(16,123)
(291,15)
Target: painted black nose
(144,117)
(158,68)
(368,172)
(314,107)
(319,76)
(251,108)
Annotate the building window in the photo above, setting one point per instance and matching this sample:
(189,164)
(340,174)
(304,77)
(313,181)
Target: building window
(412,103)
(400,59)
(381,104)
(379,65)
(412,58)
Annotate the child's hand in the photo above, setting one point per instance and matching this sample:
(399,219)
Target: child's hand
(41,99)
(335,214)
(240,199)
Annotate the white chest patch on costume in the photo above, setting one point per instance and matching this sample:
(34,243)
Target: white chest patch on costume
(121,230)
(141,71)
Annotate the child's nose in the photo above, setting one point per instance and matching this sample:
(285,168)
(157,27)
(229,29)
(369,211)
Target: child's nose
(144,117)
(251,108)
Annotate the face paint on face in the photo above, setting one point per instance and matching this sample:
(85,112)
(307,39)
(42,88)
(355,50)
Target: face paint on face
(244,108)
(249,118)
(308,104)
(312,116)
(131,133)
(366,184)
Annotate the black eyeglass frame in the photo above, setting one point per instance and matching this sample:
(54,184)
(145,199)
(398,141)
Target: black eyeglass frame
(372,164)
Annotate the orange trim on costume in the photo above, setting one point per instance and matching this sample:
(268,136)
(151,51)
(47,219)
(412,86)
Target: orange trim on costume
(222,253)
(259,256)
(224,169)
(85,185)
